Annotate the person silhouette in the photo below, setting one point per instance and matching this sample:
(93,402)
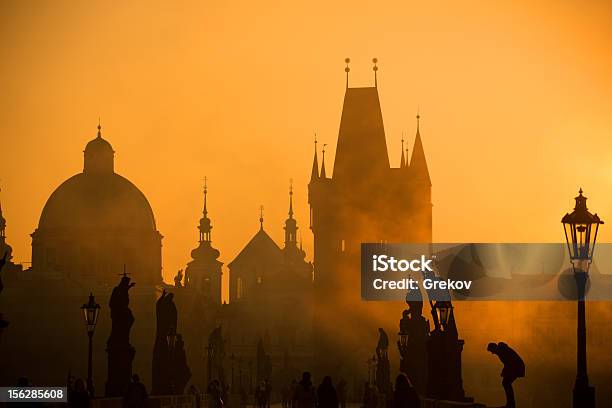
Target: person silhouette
(514,367)
(305,395)
(136,394)
(79,397)
(326,394)
(405,395)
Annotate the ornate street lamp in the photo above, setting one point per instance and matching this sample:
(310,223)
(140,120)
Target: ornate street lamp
(581,233)
(444,310)
(91,311)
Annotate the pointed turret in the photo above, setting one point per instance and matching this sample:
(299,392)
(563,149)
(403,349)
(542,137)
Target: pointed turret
(418,163)
(323,174)
(403,158)
(290,223)
(205,226)
(362,148)
(315,163)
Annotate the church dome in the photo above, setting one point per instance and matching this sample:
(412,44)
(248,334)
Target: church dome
(97,198)
(103,201)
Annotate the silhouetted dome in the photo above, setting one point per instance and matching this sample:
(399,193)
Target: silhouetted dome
(105,201)
(99,145)
(99,155)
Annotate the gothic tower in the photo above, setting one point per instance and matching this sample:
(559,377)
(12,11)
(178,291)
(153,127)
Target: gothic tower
(204,271)
(364,201)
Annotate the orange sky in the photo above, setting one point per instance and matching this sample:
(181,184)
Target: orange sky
(515,99)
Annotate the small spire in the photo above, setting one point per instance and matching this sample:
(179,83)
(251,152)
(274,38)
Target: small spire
(375,69)
(347,70)
(205,210)
(261,219)
(315,162)
(323,175)
(290,198)
(99,128)
(418,118)
(403,158)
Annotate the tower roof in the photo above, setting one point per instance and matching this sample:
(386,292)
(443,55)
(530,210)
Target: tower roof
(362,148)
(418,163)
(260,248)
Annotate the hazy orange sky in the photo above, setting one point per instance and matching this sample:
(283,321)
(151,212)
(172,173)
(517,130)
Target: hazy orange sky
(515,99)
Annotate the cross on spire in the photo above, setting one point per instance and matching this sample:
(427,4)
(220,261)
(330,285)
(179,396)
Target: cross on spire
(291,198)
(99,128)
(261,219)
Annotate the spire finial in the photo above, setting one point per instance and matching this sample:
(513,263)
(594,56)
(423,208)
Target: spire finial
(375,68)
(315,162)
(418,118)
(323,174)
(99,128)
(261,219)
(205,210)
(403,158)
(291,198)
(347,69)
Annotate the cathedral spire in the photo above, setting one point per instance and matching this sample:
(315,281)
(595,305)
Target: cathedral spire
(315,162)
(323,175)
(290,223)
(205,226)
(418,162)
(403,158)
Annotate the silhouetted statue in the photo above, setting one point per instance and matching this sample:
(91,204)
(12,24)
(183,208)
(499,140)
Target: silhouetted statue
(327,397)
(136,394)
(514,367)
(120,351)
(178,279)
(414,333)
(383,369)
(405,395)
(383,343)
(166,313)
(305,395)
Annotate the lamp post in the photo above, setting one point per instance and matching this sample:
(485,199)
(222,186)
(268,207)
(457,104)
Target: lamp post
(91,310)
(581,233)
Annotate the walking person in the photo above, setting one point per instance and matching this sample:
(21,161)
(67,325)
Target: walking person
(514,368)
(326,394)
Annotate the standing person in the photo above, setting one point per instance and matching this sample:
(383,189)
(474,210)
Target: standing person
(305,395)
(326,394)
(268,385)
(136,394)
(514,367)
(260,395)
(342,392)
(405,395)
(79,397)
